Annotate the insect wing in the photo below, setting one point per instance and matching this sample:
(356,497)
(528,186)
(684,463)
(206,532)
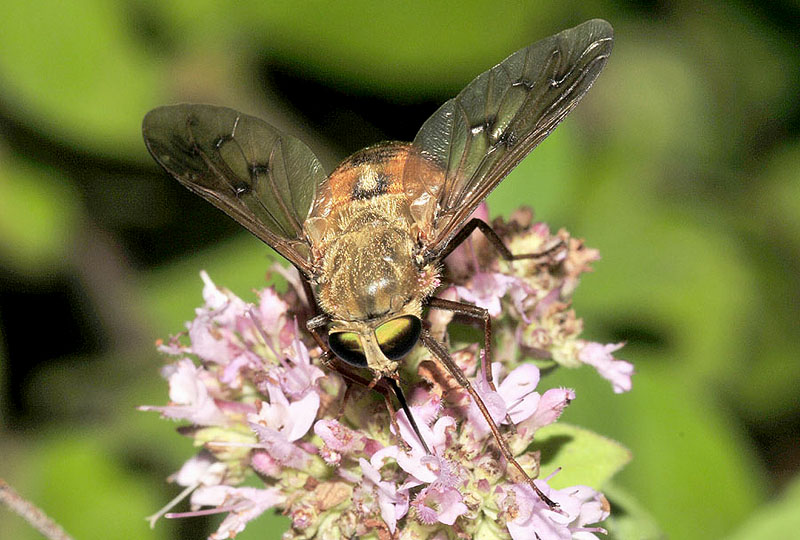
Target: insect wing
(475,139)
(260,177)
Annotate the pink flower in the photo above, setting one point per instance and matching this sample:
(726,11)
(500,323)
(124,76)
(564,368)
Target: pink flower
(265,464)
(440,500)
(279,423)
(232,371)
(517,398)
(487,288)
(211,331)
(424,415)
(618,372)
(268,324)
(494,403)
(189,396)
(393,501)
(549,407)
(271,310)
(242,504)
(202,469)
(259,388)
(439,503)
(339,437)
(173,347)
(424,467)
(518,391)
(530,517)
(300,377)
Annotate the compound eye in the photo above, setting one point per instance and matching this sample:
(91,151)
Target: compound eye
(347,346)
(397,337)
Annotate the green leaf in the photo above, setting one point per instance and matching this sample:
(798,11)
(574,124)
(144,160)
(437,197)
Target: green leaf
(584,457)
(778,519)
(662,269)
(768,382)
(629,520)
(687,454)
(404,48)
(545,179)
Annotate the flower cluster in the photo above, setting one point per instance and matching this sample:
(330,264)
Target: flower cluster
(245,377)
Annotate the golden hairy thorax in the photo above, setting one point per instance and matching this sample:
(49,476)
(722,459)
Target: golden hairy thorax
(364,236)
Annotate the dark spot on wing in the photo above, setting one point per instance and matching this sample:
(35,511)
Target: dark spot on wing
(221,141)
(258,169)
(508,138)
(240,188)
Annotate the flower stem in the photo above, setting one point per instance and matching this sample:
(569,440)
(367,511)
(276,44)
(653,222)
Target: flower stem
(31,513)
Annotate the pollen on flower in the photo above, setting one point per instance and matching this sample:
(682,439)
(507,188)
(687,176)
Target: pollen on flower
(247,379)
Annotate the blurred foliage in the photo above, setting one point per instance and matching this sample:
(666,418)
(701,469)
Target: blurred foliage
(777,520)
(680,166)
(578,456)
(37,214)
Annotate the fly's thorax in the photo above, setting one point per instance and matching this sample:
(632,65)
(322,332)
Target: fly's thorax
(369,270)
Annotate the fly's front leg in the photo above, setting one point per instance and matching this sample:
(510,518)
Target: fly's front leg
(477,313)
(480,314)
(440,353)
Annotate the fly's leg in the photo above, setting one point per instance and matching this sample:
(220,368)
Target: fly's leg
(477,312)
(311,301)
(495,240)
(441,354)
(348,390)
(480,314)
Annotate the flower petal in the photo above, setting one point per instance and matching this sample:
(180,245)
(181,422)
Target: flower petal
(518,392)
(618,372)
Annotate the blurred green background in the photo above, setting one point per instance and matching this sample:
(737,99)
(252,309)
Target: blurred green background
(681,166)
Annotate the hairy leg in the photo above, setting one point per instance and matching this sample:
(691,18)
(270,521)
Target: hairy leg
(441,354)
(480,314)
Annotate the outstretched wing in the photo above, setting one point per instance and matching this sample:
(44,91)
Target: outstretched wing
(476,138)
(260,177)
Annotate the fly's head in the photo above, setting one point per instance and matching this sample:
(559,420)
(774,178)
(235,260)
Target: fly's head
(377,344)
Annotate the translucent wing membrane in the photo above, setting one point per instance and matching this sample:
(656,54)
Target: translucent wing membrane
(262,178)
(476,138)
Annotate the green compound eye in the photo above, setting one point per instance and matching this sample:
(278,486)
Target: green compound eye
(397,337)
(347,346)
